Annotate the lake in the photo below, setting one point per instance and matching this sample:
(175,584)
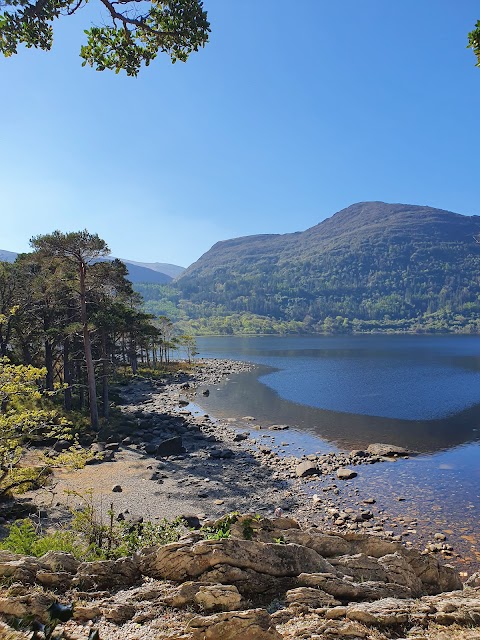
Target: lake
(420,392)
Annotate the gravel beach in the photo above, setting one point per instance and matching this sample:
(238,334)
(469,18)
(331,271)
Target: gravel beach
(173,460)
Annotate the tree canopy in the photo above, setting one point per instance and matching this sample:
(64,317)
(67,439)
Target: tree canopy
(474,41)
(132,33)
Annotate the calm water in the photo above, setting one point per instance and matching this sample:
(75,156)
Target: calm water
(421,392)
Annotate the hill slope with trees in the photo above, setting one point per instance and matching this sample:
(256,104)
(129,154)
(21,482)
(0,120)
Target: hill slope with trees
(371,266)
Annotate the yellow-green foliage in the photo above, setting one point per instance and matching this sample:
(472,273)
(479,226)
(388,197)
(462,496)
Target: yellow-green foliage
(71,459)
(23,419)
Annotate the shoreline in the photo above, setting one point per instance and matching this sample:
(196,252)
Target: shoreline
(227,465)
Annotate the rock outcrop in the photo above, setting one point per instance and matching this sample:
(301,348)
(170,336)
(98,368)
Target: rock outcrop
(313,583)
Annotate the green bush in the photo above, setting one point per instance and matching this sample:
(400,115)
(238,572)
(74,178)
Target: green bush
(24,538)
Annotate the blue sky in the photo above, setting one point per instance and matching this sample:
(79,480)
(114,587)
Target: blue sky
(292,112)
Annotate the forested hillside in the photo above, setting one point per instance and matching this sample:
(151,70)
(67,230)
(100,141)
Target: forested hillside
(371,266)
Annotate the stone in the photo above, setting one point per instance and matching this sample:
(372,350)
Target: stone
(34,604)
(117,489)
(192,521)
(473,580)
(399,571)
(61,445)
(171,447)
(238,437)
(252,624)
(184,594)
(379,449)
(86,611)
(20,568)
(221,453)
(343,589)
(310,597)
(306,468)
(119,613)
(150,448)
(324,544)
(54,580)
(59,560)
(361,567)
(358,453)
(435,577)
(218,597)
(346,474)
(247,581)
(107,574)
(388,612)
(180,561)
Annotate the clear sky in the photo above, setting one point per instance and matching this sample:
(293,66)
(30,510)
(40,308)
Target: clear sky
(293,111)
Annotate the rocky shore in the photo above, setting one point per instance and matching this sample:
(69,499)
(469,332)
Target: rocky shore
(171,460)
(299,565)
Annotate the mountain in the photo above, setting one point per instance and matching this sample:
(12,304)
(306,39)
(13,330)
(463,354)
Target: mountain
(138,272)
(372,265)
(7,256)
(172,270)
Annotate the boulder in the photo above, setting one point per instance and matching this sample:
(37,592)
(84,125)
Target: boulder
(361,567)
(347,590)
(218,597)
(20,568)
(399,571)
(379,449)
(150,448)
(107,574)
(388,612)
(54,579)
(247,581)
(306,468)
(326,545)
(60,561)
(185,594)
(346,474)
(435,577)
(180,561)
(171,447)
(34,604)
(252,624)
(310,597)
(119,613)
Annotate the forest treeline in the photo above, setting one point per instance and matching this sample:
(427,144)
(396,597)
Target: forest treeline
(76,316)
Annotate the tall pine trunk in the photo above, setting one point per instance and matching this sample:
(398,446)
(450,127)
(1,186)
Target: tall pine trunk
(49,365)
(67,375)
(87,345)
(105,401)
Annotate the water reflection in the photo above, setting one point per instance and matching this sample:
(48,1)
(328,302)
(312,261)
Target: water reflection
(246,395)
(396,375)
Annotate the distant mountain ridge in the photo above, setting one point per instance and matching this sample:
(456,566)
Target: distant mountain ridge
(7,256)
(171,270)
(373,264)
(138,272)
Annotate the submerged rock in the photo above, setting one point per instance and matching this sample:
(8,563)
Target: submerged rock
(379,449)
